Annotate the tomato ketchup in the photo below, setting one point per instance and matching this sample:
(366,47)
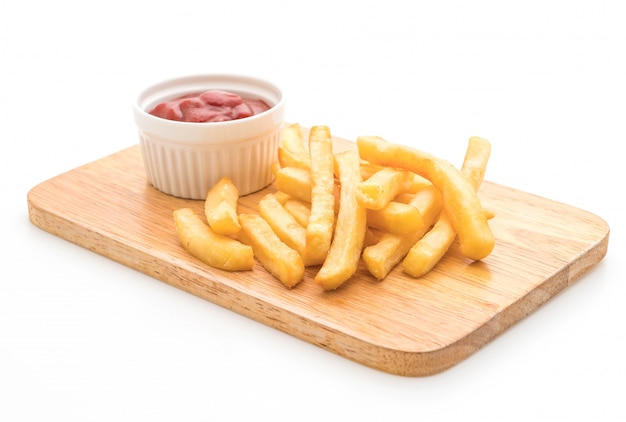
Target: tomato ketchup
(209,106)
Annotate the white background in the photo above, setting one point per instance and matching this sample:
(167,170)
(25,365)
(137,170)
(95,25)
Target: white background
(83,338)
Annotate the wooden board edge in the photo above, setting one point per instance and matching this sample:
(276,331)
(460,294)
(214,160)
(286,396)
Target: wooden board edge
(396,362)
(216,292)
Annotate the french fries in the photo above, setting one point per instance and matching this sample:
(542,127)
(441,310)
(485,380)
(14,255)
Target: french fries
(220,207)
(283,262)
(319,231)
(429,250)
(379,203)
(292,139)
(344,253)
(380,188)
(214,249)
(295,182)
(282,197)
(283,223)
(411,184)
(414,182)
(301,211)
(460,200)
(291,151)
(475,161)
(396,217)
(381,257)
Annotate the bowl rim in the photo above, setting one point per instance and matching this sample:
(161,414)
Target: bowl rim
(141,101)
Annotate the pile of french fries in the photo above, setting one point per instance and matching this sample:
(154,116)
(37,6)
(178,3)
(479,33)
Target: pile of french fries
(382,203)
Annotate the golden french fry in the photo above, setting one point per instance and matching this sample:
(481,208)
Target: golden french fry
(300,210)
(414,182)
(368,169)
(411,184)
(344,253)
(220,207)
(380,188)
(214,249)
(283,223)
(288,158)
(395,217)
(282,197)
(291,150)
(475,161)
(283,262)
(429,250)
(372,237)
(429,202)
(292,139)
(460,199)
(319,231)
(295,182)
(404,197)
(381,257)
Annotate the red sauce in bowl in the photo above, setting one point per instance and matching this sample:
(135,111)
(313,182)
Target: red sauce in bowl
(209,106)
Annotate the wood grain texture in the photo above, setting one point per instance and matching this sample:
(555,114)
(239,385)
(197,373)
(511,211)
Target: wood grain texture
(402,325)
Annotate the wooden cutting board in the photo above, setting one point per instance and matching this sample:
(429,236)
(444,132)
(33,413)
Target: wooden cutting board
(402,325)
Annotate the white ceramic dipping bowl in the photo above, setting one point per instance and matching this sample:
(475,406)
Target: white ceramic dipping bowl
(185,159)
